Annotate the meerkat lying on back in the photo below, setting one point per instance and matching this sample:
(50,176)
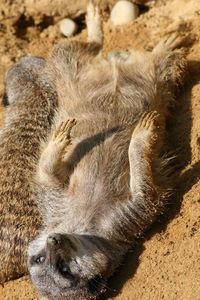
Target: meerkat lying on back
(32,102)
(101,180)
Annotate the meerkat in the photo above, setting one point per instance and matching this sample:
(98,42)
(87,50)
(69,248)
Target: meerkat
(31,101)
(101,179)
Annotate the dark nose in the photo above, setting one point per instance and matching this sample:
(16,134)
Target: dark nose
(60,241)
(53,244)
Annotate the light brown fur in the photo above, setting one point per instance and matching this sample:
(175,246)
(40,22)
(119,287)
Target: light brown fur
(32,101)
(101,180)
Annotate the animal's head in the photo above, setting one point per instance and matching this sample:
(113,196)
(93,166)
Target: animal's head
(23,73)
(69,266)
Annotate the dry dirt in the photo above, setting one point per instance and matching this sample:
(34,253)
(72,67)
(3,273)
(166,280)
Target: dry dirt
(166,263)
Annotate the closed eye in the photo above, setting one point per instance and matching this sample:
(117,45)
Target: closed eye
(38,259)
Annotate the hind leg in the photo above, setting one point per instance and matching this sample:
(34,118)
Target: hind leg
(94,29)
(158,75)
(69,59)
(170,67)
(73,53)
(170,62)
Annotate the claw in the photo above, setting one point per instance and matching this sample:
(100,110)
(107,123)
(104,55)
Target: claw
(64,129)
(172,42)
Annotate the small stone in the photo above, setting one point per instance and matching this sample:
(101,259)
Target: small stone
(165,253)
(124,12)
(68,27)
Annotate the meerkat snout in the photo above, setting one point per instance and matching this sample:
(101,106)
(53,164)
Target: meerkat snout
(56,248)
(61,261)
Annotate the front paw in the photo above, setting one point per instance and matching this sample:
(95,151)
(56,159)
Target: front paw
(62,135)
(150,130)
(52,156)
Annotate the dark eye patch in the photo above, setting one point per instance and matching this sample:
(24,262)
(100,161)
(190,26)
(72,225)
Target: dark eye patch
(63,269)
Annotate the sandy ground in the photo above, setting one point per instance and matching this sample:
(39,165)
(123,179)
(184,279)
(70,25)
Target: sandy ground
(166,263)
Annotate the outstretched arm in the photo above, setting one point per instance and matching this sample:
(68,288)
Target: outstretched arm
(51,170)
(133,216)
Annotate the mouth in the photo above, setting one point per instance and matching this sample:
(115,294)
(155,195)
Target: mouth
(96,285)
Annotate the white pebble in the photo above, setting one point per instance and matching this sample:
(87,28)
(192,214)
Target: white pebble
(124,12)
(68,27)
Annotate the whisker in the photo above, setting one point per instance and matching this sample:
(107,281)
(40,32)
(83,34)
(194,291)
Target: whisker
(104,285)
